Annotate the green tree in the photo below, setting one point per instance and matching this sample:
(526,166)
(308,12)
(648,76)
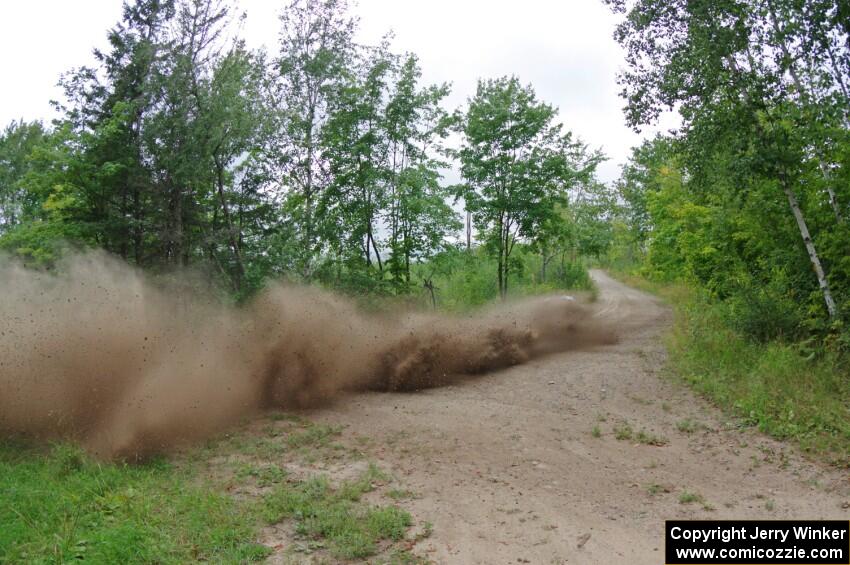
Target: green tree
(17,143)
(760,87)
(418,216)
(515,164)
(315,65)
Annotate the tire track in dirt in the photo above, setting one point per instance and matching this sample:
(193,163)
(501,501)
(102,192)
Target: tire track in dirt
(508,469)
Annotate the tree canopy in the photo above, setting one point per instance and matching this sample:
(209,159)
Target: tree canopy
(321,161)
(749,197)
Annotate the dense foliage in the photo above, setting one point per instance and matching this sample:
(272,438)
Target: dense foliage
(320,162)
(750,198)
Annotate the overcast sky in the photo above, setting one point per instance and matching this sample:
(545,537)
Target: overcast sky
(563,47)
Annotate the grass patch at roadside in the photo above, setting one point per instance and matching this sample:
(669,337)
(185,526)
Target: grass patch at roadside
(212,503)
(60,506)
(321,512)
(777,387)
(772,386)
(689,426)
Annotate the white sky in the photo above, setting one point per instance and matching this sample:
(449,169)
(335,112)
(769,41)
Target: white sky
(563,47)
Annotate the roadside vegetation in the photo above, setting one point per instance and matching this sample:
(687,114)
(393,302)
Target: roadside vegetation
(319,163)
(793,390)
(463,279)
(740,216)
(790,390)
(212,503)
(59,506)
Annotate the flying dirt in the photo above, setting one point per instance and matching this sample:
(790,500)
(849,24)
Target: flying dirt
(99,353)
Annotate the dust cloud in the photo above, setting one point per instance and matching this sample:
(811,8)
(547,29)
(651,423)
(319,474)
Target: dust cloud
(100,354)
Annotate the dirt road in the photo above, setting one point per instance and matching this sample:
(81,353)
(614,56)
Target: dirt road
(525,465)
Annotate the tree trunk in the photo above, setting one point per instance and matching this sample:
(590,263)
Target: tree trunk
(225,212)
(308,194)
(505,281)
(138,228)
(429,285)
(377,255)
(792,199)
(177,219)
(501,274)
(128,228)
(545,263)
(833,199)
(468,230)
(810,248)
(507,253)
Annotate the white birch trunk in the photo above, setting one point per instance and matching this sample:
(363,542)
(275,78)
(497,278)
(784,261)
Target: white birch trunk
(810,248)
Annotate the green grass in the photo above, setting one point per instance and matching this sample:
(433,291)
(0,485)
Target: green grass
(687,497)
(57,505)
(399,494)
(654,489)
(60,506)
(465,280)
(314,435)
(351,528)
(624,432)
(778,387)
(771,386)
(648,438)
(263,475)
(688,426)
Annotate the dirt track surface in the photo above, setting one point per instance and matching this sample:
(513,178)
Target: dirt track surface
(507,468)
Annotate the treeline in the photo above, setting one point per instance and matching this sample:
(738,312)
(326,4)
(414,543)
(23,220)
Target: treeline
(750,198)
(320,162)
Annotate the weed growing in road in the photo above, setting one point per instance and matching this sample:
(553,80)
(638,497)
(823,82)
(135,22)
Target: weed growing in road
(640,400)
(687,497)
(654,488)
(623,431)
(596,432)
(427,531)
(648,438)
(352,529)
(398,494)
(405,557)
(689,426)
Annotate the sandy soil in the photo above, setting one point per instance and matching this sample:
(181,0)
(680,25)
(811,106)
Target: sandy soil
(508,470)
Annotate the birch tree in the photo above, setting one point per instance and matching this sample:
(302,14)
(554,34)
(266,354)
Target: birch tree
(727,64)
